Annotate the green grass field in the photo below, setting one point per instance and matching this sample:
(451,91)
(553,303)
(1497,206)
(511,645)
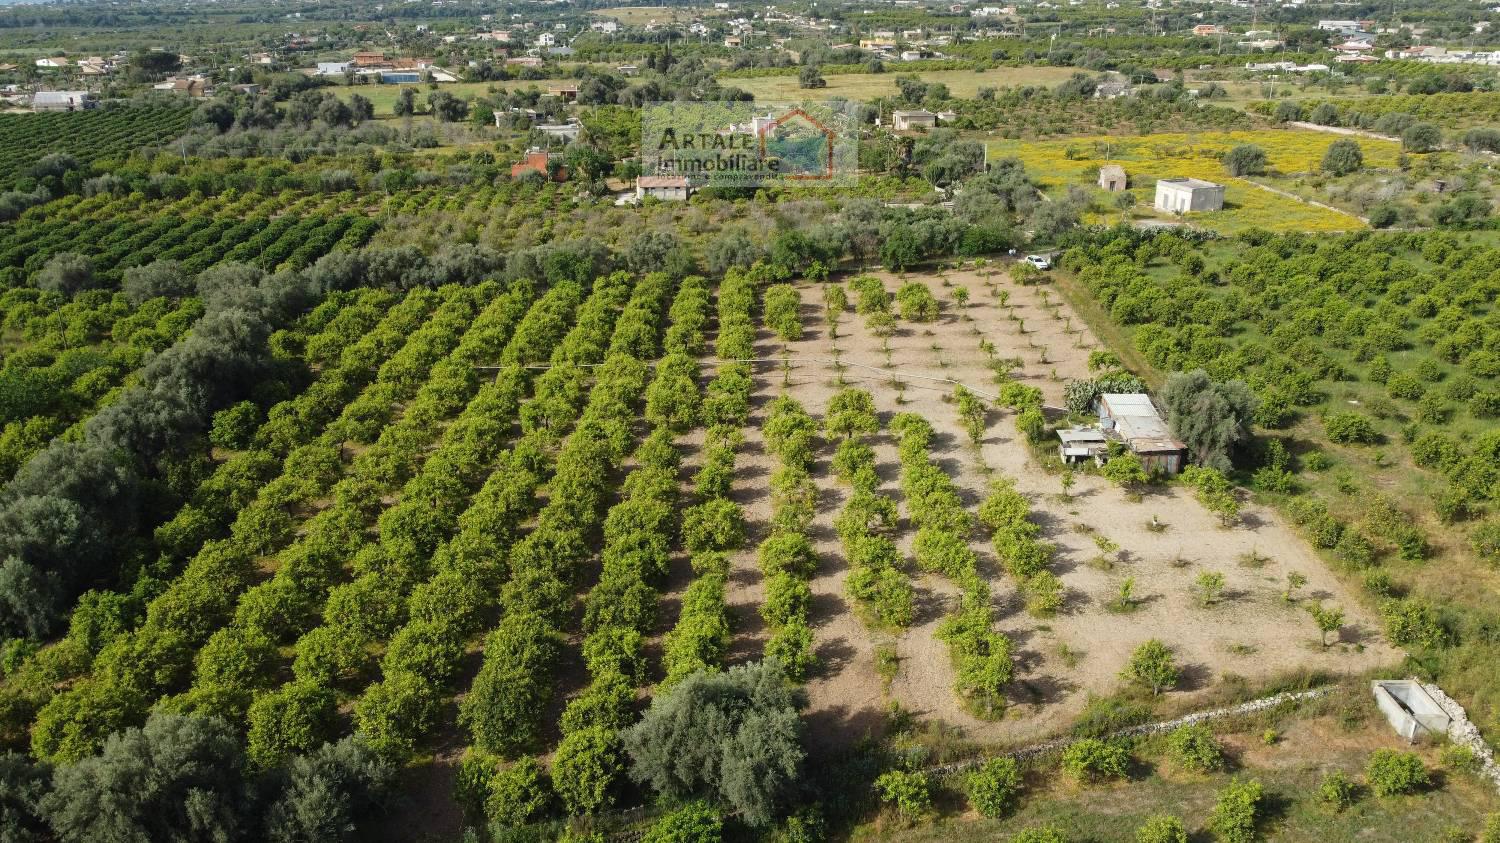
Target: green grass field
(1058,164)
(865,86)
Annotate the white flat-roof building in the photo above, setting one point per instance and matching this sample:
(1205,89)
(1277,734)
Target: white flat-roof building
(1188,195)
(903,121)
(665,188)
(63,100)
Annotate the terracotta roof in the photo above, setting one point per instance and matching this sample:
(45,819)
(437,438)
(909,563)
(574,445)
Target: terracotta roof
(661,181)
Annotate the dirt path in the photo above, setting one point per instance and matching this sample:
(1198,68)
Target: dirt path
(1253,633)
(745,591)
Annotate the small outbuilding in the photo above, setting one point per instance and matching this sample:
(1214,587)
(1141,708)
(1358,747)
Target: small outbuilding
(1186,195)
(665,188)
(63,101)
(1132,419)
(1080,444)
(540,161)
(905,121)
(1112,178)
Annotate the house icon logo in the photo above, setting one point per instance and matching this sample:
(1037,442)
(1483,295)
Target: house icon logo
(801,142)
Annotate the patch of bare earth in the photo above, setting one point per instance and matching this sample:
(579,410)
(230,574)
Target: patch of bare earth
(1253,632)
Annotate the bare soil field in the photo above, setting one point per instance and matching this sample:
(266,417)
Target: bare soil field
(1252,633)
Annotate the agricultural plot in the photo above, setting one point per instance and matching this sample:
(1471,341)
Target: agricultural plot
(85,135)
(1061,164)
(1164,545)
(118,233)
(864,86)
(64,360)
(1291,753)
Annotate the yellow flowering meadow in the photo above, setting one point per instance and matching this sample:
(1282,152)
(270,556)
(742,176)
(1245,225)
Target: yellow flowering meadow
(1058,164)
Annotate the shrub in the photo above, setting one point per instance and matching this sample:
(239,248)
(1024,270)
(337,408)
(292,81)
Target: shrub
(1235,812)
(694,823)
(1247,159)
(1162,828)
(1343,157)
(1422,137)
(1485,540)
(234,427)
(1046,833)
(909,792)
(176,778)
(67,273)
(1094,760)
(1126,471)
(916,302)
(1337,790)
(781,305)
(1459,758)
(1152,666)
(1392,773)
(1350,429)
(1194,747)
(585,769)
(995,787)
(733,736)
(1491,831)
(517,795)
(1409,623)
(1483,140)
(326,791)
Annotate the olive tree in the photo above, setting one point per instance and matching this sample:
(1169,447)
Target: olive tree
(733,737)
(1247,159)
(1210,417)
(1343,157)
(176,778)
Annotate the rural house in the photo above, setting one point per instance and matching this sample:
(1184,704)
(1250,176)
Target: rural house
(536,160)
(1112,178)
(63,101)
(1182,195)
(1132,419)
(665,188)
(1129,419)
(904,121)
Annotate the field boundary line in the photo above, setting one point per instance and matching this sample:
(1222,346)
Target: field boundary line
(1144,729)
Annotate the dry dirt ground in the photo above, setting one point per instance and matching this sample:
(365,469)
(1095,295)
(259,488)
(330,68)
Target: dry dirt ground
(1252,633)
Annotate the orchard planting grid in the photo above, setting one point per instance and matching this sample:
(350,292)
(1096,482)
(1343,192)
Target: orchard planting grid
(64,359)
(287,229)
(497,514)
(1063,647)
(90,135)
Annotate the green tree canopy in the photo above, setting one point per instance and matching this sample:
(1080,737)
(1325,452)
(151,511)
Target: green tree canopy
(733,737)
(1210,417)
